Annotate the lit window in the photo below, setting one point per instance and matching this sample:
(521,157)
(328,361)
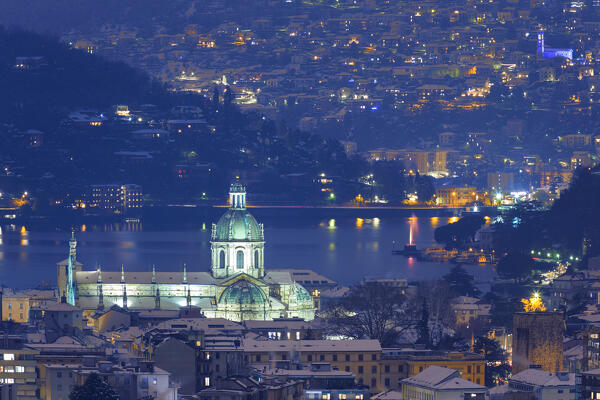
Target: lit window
(207,381)
(9,357)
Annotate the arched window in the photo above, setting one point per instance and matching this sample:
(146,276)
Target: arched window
(240,259)
(221,258)
(256,258)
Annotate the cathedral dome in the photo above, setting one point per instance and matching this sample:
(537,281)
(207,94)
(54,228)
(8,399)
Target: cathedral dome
(243,292)
(237,224)
(302,294)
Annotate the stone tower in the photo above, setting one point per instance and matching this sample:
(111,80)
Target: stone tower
(538,340)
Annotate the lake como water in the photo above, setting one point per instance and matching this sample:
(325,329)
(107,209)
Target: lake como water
(344,245)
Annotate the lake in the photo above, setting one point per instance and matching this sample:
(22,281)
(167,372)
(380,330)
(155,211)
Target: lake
(344,245)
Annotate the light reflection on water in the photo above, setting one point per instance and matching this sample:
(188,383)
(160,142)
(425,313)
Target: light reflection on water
(345,248)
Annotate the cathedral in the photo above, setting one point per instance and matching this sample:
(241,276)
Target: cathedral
(237,287)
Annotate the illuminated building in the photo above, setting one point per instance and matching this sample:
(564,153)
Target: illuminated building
(547,52)
(456,197)
(116,198)
(441,383)
(236,288)
(500,180)
(18,366)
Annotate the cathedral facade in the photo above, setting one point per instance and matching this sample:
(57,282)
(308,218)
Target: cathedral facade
(237,287)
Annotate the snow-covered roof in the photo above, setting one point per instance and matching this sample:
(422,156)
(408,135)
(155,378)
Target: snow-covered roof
(537,377)
(441,378)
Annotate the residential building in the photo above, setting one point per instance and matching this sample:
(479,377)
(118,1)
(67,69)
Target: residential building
(439,383)
(116,198)
(545,385)
(320,381)
(17,366)
(398,364)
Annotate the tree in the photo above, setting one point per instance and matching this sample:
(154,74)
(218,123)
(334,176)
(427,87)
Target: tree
(458,234)
(424,337)
(373,311)
(461,282)
(389,176)
(515,266)
(94,388)
(496,365)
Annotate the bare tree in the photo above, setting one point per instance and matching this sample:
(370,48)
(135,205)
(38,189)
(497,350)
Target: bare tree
(372,310)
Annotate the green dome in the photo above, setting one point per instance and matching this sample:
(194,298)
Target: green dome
(243,292)
(237,225)
(302,294)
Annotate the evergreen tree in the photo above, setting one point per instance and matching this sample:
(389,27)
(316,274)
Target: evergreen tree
(496,363)
(94,388)
(461,282)
(215,99)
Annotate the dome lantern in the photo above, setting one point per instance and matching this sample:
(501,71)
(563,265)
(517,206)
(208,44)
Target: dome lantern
(237,196)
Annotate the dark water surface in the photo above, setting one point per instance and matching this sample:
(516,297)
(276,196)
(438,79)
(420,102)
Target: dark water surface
(344,246)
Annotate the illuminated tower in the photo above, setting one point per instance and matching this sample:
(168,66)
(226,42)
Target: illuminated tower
(540,43)
(70,292)
(537,340)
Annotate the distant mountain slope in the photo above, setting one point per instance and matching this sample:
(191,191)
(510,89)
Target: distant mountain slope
(53,77)
(62,16)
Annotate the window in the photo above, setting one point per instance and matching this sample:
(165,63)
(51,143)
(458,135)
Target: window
(468,369)
(10,306)
(360,357)
(240,259)
(334,357)
(478,368)
(360,369)
(322,357)
(374,357)
(59,374)
(258,357)
(347,357)
(21,315)
(309,357)
(21,306)
(387,368)
(400,368)
(59,387)
(559,390)
(256,259)
(9,357)
(347,368)
(387,382)
(373,382)
(207,381)
(222,259)
(374,369)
